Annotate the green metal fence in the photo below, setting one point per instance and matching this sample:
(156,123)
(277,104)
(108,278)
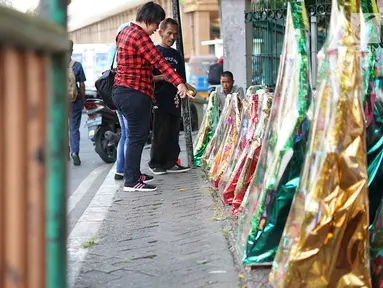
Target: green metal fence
(268,19)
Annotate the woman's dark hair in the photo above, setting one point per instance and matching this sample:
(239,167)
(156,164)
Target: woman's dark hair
(150,13)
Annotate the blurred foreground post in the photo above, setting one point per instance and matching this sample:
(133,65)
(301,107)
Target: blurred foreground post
(27,46)
(55,11)
(185,105)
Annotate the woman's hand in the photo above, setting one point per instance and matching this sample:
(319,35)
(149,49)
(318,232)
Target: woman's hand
(182,90)
(191,89)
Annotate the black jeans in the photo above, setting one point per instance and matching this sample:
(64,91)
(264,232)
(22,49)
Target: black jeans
(135,106)
(165,148)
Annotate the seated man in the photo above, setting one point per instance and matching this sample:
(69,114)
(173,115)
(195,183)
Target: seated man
(227,87)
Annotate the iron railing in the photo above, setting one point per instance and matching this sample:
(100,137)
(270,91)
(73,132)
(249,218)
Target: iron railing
(268,19)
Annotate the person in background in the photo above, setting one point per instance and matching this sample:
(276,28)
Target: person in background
(165,148)
(123,143)
(76,112)
(133,87)
(215,72)
(227,87)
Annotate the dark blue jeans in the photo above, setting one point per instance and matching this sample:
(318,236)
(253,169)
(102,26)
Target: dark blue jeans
(135,106)
(74,125)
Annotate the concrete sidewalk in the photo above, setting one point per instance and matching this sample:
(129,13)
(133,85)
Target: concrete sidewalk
(167,238)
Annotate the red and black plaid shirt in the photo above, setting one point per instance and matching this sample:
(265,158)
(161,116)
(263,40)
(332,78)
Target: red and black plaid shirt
(136,57)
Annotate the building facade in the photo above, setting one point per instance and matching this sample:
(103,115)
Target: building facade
(200,22)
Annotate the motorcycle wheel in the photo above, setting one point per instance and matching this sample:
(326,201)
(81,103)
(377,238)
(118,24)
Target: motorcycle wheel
(107,154)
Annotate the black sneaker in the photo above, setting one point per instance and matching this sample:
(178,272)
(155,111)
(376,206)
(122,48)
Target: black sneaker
(139,186)
(178,169)
(76,159)
(118,176)
(146,178)
(157,171)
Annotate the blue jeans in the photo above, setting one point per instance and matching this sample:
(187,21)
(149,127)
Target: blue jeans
(74,125)
(121,149)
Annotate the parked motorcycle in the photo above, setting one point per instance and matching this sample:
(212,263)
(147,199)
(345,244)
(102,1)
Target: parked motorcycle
(103,129)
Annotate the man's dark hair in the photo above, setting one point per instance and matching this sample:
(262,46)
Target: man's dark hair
(228,74)
(168,21)
(150,13)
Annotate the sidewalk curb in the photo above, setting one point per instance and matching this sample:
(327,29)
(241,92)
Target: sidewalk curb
(253,277)
(89,224)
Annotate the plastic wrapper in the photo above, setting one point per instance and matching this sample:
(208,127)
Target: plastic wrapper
(375,182)
(245,169)
(376,249)
(325,240)
(275,181)
(249,119)
(207,129)
(370,58)
(221,144)
(233,124)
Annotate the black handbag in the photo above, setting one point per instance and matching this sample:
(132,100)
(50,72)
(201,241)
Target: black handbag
(104,86)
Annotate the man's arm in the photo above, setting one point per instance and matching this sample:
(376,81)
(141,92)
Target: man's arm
(81,80)
(82,91)
(241,93)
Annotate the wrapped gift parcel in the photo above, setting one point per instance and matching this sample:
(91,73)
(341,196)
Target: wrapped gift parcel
(250,110)
(276,178)
(230,117)
(207,129)
(325,240)
(245,169)
(226,149)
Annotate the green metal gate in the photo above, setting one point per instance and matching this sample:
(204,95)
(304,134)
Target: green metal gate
(268,19)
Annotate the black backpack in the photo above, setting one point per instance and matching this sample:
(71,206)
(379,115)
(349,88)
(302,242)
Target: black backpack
(104,86)
(214,75)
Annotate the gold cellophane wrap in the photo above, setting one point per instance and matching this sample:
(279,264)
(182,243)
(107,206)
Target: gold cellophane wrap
(325,241)
(231,116)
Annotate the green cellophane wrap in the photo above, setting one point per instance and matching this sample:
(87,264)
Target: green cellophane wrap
(375,181)
(249,119)
(228,121)
(325,240)
(370,39)
(207,129)
(276,177)
(373,107)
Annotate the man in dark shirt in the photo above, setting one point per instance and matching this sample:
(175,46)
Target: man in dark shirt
(76,111)
(167,113)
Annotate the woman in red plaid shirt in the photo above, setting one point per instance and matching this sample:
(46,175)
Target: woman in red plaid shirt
(134,90)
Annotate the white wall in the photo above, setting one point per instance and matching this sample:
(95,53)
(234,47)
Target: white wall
(237,40)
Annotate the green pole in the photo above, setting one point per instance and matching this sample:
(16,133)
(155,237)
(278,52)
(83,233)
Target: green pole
(55,11)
